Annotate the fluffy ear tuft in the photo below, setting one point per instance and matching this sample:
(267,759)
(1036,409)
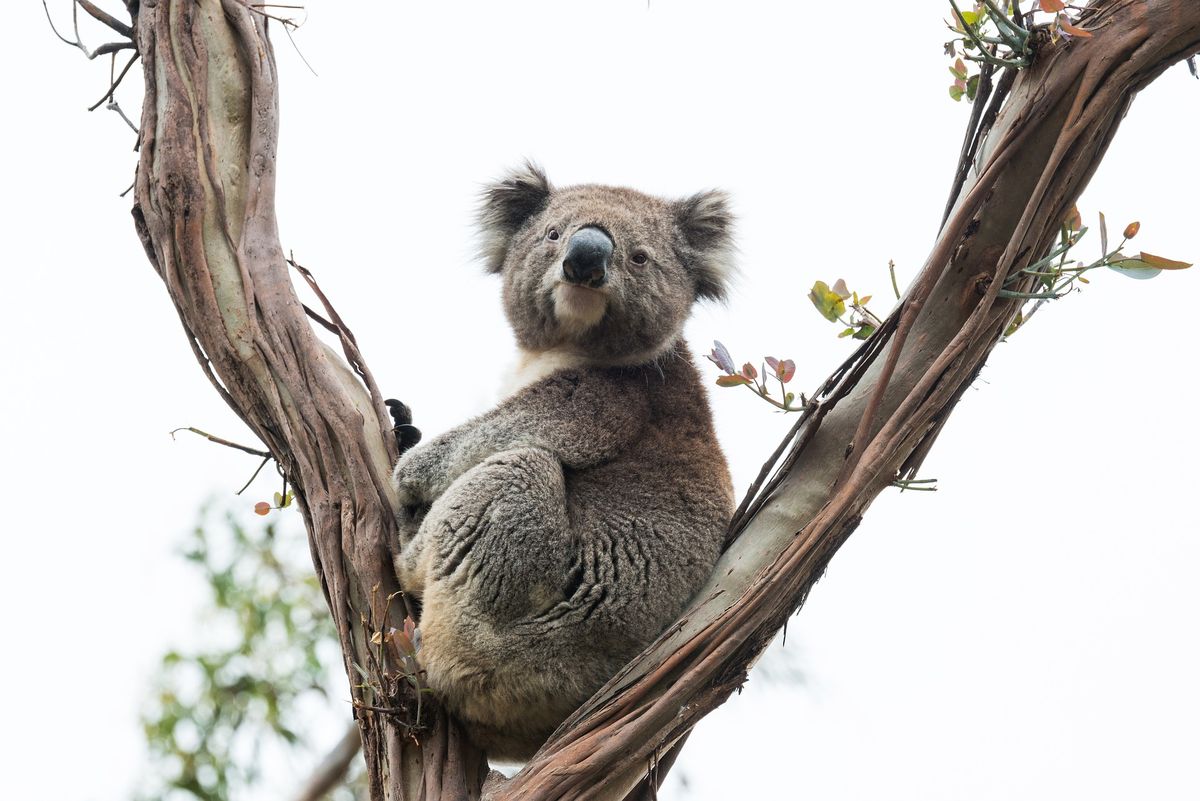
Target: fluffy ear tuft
(706,224)
(505,206)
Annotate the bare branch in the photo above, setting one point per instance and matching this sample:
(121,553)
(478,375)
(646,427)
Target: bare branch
(115,106)
(220,441)
(106,18)
(110,21)
(112,87)
(331,772)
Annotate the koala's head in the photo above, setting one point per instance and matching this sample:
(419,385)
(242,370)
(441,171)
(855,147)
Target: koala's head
(602,271)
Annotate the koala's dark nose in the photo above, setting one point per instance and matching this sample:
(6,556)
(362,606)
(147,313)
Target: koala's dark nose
(588,254)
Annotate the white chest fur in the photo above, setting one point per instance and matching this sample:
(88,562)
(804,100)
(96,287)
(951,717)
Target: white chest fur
(532,366)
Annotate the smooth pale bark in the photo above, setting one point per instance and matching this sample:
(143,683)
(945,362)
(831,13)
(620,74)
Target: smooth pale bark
(205,212)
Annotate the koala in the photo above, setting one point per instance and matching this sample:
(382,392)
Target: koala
(553,537)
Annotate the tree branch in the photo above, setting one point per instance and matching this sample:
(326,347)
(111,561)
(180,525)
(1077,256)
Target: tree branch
(205,213)
(1032,163)
(332,770)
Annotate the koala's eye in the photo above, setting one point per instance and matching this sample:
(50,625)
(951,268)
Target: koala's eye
(639,257)
(553,235)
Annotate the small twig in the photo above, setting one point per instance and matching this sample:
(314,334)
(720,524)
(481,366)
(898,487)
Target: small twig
(349,344)
(112,22)
(966,155)
(914,484)
(115,106)
(221,441)
(266,459)
(317,318)
(112,87)
(383,710)
(1008,29)
(296,47)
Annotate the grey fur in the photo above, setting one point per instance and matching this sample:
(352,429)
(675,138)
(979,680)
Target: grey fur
(569,525)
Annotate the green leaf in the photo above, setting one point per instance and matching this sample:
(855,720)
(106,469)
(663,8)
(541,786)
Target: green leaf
(972,87)
(828,303)
(956,92)
(1134,268)
(847,333)
(864,331)
(1103,236)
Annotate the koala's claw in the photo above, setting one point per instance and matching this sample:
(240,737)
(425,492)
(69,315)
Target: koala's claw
(407,435)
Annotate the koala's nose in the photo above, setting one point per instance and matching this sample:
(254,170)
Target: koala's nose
(588,254)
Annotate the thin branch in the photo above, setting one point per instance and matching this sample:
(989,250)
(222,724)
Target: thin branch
(258,470)
(110,21)
(221,441)
(112,87)
(966,155)
(106,18)
(115,106)
(331,772)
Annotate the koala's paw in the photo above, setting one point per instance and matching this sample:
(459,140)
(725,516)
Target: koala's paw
(418,479)
(407,435)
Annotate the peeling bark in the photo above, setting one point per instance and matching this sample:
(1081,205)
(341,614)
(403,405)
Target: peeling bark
(205,213)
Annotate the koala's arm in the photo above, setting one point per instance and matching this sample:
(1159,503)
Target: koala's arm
(583,418)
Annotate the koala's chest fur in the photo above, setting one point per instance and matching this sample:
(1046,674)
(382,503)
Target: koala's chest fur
(532,366)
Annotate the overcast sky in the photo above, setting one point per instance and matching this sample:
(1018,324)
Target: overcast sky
(1028,631)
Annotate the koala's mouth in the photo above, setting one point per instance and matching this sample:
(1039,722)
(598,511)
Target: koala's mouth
(578,308)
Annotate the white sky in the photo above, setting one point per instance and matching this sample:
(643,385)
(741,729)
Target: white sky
(1026,632)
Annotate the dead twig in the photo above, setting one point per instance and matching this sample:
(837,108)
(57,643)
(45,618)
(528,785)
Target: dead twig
(112,87)
(221,441)
(98,14)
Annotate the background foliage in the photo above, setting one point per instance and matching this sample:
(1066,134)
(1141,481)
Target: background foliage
(244,699)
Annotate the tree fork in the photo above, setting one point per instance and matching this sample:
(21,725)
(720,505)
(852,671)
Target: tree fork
(205,213)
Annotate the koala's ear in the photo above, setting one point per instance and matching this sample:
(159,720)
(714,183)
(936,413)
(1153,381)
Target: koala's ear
(505,206)
(706,224)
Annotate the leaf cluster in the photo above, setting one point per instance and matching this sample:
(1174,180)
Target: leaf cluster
(1001,35)
(782,370)
(1054,276)
(270,647)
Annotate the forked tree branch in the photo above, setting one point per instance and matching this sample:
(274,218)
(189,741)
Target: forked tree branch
(876,419)
(205,212)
